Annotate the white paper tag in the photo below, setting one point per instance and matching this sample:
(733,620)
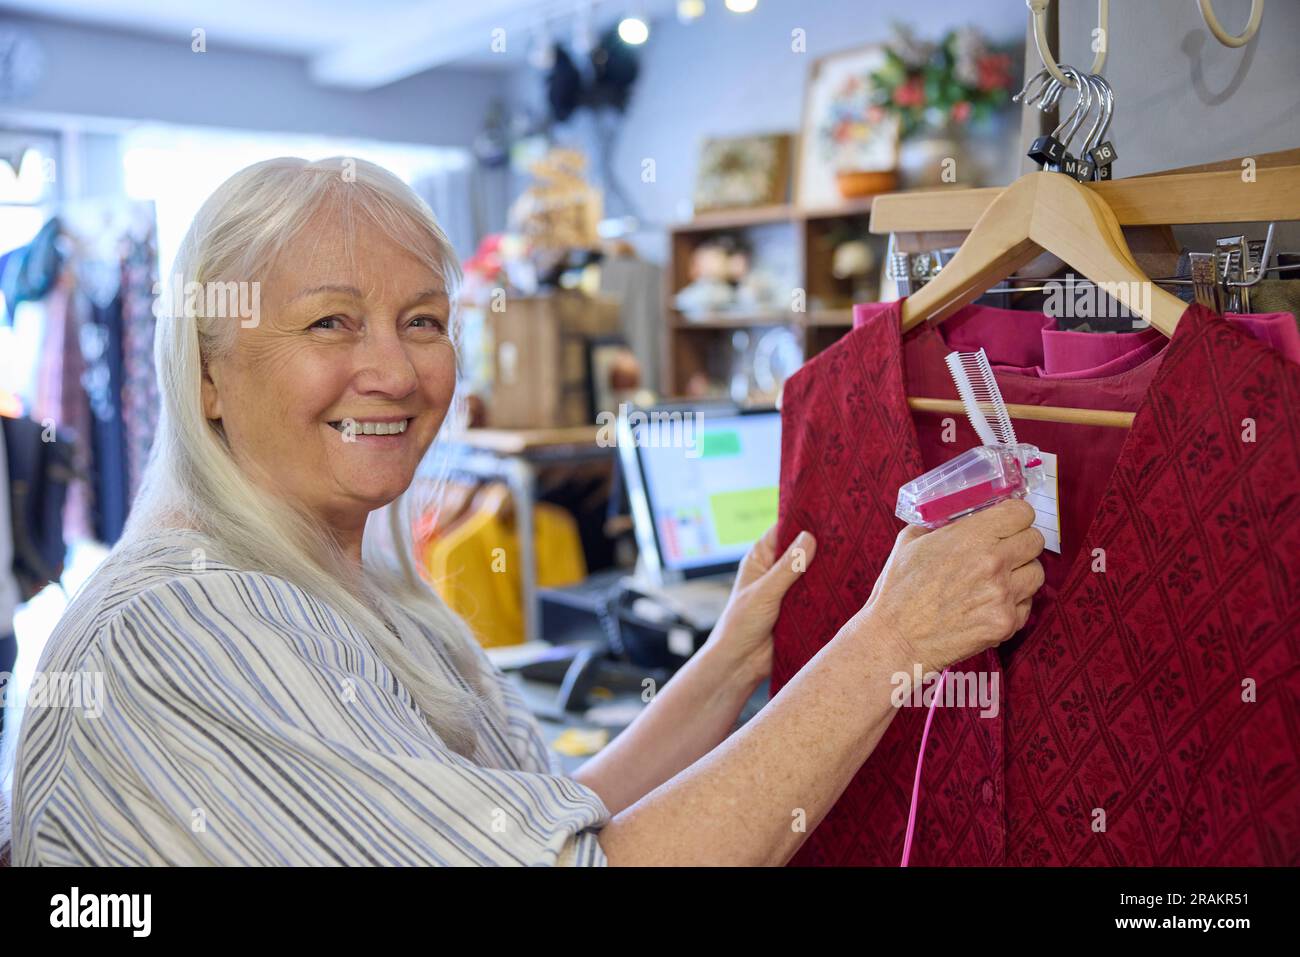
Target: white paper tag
(1047,504)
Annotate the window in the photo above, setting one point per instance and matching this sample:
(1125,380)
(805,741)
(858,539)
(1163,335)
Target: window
(27,186)
(178,168)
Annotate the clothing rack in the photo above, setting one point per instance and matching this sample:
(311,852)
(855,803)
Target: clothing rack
(515,457)
(1263,188)
(911,274)
(1252,189)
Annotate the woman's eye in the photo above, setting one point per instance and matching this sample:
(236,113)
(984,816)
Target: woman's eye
(429,322)
(329,322)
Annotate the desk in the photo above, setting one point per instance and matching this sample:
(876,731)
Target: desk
(514,456)
(539,696)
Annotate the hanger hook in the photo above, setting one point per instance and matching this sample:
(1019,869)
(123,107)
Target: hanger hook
(1038,11)
(1223,36)
(1085,96)
(1079,112)
(1105,110)
(1041,76)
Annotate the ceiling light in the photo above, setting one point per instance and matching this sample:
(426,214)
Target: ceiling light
(741,6)
(688,10)
(633,31)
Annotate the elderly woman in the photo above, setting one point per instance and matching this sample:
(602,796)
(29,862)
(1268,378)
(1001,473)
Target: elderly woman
(279,685)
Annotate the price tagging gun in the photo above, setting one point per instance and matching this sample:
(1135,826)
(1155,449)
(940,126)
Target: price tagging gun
(1001,468)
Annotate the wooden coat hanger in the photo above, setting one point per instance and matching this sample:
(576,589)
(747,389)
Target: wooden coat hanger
(1042,212)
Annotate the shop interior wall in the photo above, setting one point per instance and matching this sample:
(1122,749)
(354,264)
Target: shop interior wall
(1182,97)
(95,77)
(726,74)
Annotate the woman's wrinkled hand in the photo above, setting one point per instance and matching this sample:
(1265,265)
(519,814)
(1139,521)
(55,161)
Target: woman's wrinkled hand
(745,628)
(948,594)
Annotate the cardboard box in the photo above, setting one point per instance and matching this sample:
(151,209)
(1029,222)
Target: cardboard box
(540,359)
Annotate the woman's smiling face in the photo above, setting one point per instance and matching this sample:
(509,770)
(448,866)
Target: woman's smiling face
(335,394)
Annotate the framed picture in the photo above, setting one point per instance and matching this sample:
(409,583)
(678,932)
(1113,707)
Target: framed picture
(742,171)
(844,135)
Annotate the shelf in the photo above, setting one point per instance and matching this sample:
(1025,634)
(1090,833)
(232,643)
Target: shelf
(829,317)
(767,215)
(727,320)
(814,317)
(849,207)
(736,218)
(521,441)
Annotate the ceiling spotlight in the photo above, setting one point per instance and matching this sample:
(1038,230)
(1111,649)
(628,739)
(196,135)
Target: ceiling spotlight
(688,10)
(741,6)
(633,31)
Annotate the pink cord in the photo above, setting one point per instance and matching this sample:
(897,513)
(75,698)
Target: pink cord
(920,759)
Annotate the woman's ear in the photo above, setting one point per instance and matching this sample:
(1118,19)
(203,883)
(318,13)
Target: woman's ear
(211,393)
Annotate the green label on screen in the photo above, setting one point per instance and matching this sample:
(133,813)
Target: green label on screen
(742,517)
(721,443)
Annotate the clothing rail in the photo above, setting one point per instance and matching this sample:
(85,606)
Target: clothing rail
(1042,413)
(1164,281)
(1252,191)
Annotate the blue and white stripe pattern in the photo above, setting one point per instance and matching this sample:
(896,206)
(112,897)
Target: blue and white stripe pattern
(243,722)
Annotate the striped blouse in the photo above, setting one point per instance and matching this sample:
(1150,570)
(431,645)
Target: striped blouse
(227,717)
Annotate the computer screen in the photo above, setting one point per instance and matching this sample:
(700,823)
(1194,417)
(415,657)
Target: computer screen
(710,483)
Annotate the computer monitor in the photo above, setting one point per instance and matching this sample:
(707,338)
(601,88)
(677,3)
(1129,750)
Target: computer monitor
(702,485)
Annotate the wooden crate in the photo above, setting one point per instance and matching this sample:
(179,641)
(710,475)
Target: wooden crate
(540,359)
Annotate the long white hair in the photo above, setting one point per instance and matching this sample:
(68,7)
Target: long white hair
(192,480)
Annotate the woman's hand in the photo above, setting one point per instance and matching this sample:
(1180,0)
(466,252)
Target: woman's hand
(745,628)
(948,594)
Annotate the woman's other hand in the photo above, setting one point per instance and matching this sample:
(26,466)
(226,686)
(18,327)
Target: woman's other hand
(745,628)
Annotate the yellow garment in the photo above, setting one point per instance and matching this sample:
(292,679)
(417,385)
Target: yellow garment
(580,742)
(474,565)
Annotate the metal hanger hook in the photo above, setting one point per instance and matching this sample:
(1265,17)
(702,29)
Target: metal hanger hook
(1082,106)
(1041,75)
(1105,110)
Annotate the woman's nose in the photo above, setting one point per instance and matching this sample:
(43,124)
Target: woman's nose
(384,365)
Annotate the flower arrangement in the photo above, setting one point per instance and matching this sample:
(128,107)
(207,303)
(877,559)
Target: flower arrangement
(929,85)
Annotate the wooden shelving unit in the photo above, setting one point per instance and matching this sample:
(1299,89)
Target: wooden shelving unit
(697,344)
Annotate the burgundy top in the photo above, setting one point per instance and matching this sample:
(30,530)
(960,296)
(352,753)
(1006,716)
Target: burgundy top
(1149,713)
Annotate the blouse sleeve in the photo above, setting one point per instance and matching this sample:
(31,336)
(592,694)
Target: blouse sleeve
(260,735)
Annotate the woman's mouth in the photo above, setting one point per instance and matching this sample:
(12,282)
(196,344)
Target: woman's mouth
(358,427)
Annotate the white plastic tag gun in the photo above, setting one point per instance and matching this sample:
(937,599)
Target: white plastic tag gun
(999,469)
(976,479)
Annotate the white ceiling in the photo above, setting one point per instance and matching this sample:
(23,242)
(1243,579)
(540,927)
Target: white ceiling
(358,44)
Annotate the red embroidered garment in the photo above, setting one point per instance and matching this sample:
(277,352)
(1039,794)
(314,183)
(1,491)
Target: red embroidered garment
(1124,692)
